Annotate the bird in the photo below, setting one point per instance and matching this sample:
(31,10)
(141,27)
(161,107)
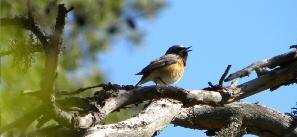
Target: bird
(167,69)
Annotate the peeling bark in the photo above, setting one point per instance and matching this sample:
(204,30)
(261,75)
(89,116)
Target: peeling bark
(256,119)
(279,60)
(154,118)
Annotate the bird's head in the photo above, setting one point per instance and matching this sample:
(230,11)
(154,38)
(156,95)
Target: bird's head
(179,50)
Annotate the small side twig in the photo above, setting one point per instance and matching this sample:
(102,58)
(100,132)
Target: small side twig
(224,75)
(78,91)
(108,86)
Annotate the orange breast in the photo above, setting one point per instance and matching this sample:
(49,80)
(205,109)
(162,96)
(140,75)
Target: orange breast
(171,73)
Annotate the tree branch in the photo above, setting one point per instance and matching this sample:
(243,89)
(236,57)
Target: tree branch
(221,81)
(52,51)
(233,128)
(80,90)
(115,97)
(153,119)
(272,79)
(280,60)
(28,24)
(257,119)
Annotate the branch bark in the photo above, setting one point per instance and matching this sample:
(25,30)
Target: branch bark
(153,119)
(272,79)
(279,60)
(233,128)
(257,119)
(52,53)
(115,100)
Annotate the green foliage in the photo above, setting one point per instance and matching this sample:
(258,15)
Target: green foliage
(90,29)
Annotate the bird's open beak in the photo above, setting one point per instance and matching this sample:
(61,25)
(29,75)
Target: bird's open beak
(188,49)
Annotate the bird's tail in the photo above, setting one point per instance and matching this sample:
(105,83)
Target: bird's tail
(142,80)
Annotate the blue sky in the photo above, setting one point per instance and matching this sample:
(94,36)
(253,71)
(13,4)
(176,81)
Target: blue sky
(220,33)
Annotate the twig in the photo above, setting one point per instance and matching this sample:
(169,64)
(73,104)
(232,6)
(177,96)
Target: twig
(78,91)
(224,75)
(28,24)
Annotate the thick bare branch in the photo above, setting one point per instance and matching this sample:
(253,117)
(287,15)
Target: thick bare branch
(273,62)
(153,119)
(110,101)
(256,119)
(233,127)
(272,79)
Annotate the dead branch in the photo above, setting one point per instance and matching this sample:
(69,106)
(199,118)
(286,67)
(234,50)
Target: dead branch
(233,128)
(224,75)
(115,97)
(78,91)
(280,60)
(256,119)
(153,119)
(275,78)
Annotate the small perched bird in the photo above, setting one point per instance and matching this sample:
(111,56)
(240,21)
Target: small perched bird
(167,69)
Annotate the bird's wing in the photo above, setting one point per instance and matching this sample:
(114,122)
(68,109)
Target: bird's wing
(159,63)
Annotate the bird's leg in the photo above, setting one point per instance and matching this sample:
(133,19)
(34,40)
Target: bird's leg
(162,81)
(157,84)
